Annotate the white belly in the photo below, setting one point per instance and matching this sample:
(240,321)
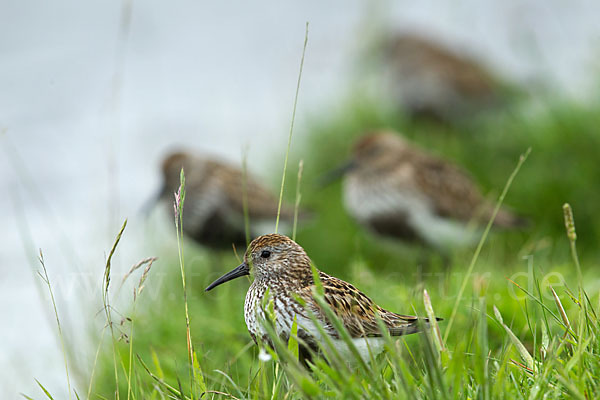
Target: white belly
(254,316)
(367,347)
(377,200)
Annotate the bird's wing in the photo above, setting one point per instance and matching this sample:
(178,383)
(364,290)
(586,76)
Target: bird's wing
(202,201)
(451,191)
(466,75)
(357,312)
(261,202)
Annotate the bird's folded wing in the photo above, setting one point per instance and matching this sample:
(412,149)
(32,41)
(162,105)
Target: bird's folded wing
(260,201)
(357,312)
(452,191)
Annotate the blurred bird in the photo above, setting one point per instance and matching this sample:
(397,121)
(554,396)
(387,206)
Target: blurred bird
(282,269)
(398,190)
(213,212)
(429,80)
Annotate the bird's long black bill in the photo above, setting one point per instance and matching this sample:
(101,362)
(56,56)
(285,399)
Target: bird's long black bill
(335,174)
(241,270)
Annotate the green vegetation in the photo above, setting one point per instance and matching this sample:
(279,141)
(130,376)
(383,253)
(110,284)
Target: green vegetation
(513,336)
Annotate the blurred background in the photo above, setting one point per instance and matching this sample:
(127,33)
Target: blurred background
(93,95)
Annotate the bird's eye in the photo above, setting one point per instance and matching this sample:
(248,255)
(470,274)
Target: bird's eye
(265,254)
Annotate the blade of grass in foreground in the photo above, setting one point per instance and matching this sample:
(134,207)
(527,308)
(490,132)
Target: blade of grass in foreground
(46,280)
(245,195)
(106,304)
(435,328)
(106,308)
(136,292)
(298,198)
(171,389)
(572,235)
(516,342)
(178,208)
(584,319)
(287,152)
(461,291)
(46,392)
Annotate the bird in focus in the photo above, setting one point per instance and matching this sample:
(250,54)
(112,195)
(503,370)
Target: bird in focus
(398,190)
(428,79)
(213,212)
(282,269)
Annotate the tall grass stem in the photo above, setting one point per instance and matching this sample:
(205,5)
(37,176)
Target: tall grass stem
(463,286)
(287,152)
(298,198)
(46,280)
(178,208)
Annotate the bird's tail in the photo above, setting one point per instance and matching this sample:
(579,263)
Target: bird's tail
(412,325)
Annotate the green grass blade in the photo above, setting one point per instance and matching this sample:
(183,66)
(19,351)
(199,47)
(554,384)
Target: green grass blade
(482,241)
(46,392)
(287,152)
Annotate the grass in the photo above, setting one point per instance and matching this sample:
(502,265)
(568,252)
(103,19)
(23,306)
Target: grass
(287,151)
(44,276)
(514,327)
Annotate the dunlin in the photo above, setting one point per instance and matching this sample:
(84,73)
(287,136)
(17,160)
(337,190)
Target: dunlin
(213,212)
(398,190)
(282,269)
(428,79)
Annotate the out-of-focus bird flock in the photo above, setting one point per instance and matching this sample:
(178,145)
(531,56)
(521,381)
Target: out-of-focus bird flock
(391,187)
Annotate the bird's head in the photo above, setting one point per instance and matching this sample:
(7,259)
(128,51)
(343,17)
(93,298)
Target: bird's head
(270,256)
(373,152)
(378,149)
(171,169)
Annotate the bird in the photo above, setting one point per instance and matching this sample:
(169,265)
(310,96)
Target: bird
(282,270)
(213,209)
(430,80)
(398,190)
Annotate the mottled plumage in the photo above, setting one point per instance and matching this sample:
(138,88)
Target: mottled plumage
(398,190)
(214,204)
(282,267)
(431,80)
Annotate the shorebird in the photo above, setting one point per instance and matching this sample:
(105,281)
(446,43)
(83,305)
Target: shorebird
(428,79)
(213,212)
(398,190)
(282,269)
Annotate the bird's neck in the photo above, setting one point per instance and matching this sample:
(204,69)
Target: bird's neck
(287,281)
